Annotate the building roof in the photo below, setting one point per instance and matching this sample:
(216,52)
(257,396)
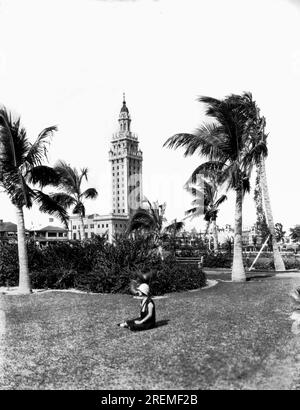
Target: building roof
(93,216)
(51,229)
(8,227)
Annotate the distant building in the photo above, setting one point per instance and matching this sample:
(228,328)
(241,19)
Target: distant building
(251,238)
(8,231)
(109,225)
(49,234)
(126,175)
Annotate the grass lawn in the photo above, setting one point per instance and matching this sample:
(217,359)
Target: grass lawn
(231,336)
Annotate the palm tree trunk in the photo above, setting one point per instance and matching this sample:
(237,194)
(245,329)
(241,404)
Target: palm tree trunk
(238,270)
(278,261)
(24,279)
(82,231)
(215,235)
(206,234)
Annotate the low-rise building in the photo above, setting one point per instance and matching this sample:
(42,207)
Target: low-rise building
(8,231)
(110,225)
(49,234)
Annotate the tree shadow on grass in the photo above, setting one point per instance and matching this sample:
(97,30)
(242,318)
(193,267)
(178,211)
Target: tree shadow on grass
(261,276)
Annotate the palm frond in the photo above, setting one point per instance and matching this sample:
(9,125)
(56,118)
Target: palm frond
(79,209)
(43,175)
(174,227)
(90,193)
(38,150)
(50,206)
(83,174)
(64,200)
(13,141)
(68,177)
(219,201)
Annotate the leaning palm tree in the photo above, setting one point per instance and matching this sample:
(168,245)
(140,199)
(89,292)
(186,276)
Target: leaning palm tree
(258,136)
(278,261)
(207,201)
(225,143)
(72,194)
(21,164)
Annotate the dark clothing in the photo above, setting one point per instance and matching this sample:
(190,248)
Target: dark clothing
(150,322)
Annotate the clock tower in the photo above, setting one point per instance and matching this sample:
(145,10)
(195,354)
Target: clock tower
(126,167)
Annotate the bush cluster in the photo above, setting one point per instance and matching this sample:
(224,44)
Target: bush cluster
(98,266)
(219,260)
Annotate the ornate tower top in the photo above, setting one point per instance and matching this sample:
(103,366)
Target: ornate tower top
(124,117)
(124,108)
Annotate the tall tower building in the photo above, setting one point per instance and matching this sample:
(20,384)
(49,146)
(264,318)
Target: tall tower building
(126,167)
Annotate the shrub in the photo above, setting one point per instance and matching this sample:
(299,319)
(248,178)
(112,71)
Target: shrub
(9,266)
(97,266)
(171,276)
(219,260)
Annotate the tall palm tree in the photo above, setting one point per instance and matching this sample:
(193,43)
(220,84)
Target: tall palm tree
(225,143)
(22,168)
(207,201)
(257,137)
(261,221)
(278,261)
(72,194)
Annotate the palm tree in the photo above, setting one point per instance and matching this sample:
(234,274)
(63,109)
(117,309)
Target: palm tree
(21,166)
(295,233)
(172,230)
(279,232)
(261,222)
(207,202)
(150,221)
(278,261)
(225,142)
(258,136)
(72,195)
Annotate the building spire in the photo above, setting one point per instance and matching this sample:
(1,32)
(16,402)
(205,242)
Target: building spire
(124,108)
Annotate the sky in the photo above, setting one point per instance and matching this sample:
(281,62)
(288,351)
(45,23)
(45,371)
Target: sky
(68,62)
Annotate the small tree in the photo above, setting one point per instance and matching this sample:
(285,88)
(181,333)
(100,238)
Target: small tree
(21,169)
(70,181)
(295,233)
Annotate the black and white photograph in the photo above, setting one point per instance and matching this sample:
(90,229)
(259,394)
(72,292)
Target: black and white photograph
(149,199)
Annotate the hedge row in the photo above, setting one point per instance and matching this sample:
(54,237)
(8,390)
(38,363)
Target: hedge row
(97,266)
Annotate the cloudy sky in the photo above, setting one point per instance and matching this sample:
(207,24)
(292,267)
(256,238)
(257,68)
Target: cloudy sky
(69,62)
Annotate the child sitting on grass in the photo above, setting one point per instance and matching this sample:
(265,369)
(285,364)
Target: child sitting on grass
(147,313)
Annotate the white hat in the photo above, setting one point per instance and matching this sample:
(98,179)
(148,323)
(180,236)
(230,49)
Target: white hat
(144,288)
